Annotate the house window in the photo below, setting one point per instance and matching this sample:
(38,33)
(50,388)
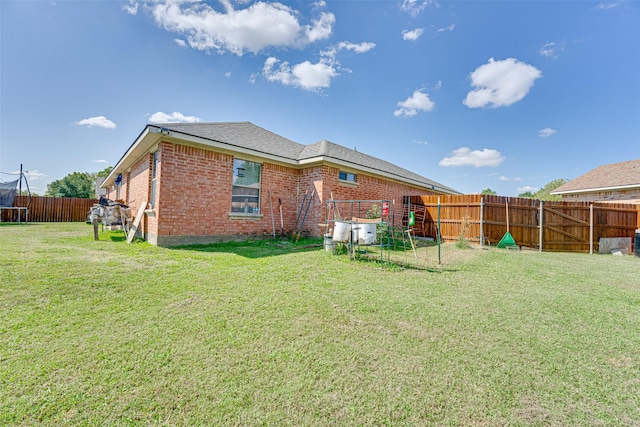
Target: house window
(154,169)
(347,176)
(245,192)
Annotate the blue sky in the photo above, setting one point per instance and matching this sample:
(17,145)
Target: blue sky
(506,95)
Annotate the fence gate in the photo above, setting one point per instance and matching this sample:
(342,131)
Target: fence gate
(567,229)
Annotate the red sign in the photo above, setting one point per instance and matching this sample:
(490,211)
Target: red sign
(385,208)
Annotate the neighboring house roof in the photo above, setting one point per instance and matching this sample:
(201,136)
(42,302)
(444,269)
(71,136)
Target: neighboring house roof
(616,176)
(245,137)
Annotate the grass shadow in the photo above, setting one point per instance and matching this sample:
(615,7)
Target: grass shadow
(256,248)
(117,236)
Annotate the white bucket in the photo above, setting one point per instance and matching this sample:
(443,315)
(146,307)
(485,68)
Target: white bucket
(341,231)
(364,234)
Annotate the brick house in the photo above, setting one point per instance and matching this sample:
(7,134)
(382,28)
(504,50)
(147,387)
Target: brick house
(208,182)
(617,182)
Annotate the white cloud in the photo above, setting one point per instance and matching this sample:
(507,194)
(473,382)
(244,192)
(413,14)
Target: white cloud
(415,7)
(304,75)
(33,175)
(413,34)
(131,8)
(100,161)
(419,101)
(546,132)
(465,156)
(321,28)
(250,29)
(506,178)
(98,121)
(501,83)
(417,141)
(528,188)
(608,5)
(307,75)
(180,42)
(227,74)
(175,117)
(449,28)
(356,47)
(551,50)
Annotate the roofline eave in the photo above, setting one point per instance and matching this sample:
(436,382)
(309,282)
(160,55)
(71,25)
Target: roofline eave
(139,144)
(597,189)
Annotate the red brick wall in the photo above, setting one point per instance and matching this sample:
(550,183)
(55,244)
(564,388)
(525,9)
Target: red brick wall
(193,188)
(139,182)
(283,183)
(310,179)
(195,195)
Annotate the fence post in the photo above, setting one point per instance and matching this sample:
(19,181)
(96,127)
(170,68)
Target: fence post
(439,232)
(541,225)
(591,229)
(482,221)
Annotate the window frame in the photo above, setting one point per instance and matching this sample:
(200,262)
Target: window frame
(246,208)
(347,176)
(154,179)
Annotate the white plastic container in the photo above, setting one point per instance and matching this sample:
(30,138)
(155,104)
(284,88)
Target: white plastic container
(341,231)
(364,233)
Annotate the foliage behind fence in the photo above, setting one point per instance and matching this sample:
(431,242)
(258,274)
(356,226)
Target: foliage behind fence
(50,209)
(566,226)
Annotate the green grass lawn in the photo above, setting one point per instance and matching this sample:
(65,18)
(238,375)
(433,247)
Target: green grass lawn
(105,333)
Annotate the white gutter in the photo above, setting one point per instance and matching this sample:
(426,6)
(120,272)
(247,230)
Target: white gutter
(593,190)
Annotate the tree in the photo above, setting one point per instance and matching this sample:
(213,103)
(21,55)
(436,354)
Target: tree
(489,192)
(545,192)
(76,184)
(526,194)
(105,172)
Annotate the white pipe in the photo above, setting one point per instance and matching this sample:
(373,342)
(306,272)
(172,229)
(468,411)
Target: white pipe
(481,221)
(591,228)
(541,224)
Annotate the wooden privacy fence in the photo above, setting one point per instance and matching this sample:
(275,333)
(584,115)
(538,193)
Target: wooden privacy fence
(548,226)
(50,209)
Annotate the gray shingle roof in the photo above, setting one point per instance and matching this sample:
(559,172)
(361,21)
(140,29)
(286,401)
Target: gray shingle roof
(249,136)
(331,150)
(241,134)
(623,174)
